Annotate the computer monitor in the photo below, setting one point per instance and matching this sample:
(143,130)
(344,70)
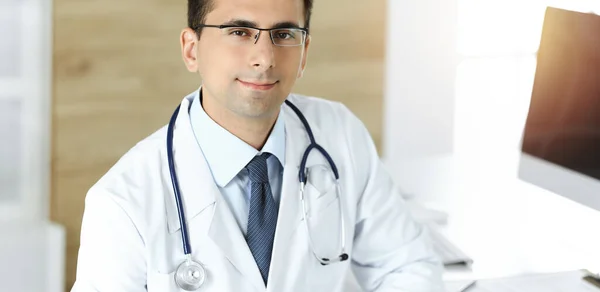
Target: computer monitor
(561,141)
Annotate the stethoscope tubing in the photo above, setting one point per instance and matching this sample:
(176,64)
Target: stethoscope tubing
(302,177)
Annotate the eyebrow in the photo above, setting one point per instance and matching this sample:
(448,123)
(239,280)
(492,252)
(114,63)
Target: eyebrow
(248,23)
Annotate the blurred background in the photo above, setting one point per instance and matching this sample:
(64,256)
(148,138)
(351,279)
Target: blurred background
(82,81)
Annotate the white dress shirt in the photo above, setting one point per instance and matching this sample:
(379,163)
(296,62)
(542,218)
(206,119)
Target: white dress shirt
(227,157)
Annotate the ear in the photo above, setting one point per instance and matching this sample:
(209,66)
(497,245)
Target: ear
(189,49)
(304,57)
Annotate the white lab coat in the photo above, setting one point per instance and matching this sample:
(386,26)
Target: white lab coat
(131,240)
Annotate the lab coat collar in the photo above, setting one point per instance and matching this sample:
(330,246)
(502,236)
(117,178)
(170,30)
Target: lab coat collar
(192,177)
(225,153)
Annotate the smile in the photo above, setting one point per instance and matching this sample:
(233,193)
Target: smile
(257,85)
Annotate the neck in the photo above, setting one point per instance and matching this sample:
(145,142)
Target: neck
(253,131)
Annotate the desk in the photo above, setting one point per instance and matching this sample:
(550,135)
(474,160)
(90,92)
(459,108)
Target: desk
(507,226)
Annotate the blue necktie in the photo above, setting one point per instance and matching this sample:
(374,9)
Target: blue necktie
(262,216)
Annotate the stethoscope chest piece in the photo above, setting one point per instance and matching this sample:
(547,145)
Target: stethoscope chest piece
(190,275)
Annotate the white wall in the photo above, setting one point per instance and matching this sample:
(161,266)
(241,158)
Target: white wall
(455,68)
(25,88)
(32,250)
(419,100)
(420,78)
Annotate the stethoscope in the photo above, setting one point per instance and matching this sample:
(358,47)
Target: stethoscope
(190,274)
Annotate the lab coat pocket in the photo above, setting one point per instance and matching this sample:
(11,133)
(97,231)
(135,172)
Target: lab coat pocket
(317,201)
(323,224)
(325,235)
(328,278)
(320,189)
(161,282)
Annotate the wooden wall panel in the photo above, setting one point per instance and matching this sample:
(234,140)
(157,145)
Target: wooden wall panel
(346,58)
(118,75)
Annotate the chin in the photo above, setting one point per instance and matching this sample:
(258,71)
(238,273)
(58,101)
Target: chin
(259,108)
(257,103)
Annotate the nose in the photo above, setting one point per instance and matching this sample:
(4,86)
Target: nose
(263,54)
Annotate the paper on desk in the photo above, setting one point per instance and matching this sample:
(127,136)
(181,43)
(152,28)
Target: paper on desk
(426,215)
(458,286)
(571,281)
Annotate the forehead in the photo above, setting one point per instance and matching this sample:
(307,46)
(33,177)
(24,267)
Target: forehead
(263,12)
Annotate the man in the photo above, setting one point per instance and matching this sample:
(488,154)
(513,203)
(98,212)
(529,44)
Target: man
(238,153)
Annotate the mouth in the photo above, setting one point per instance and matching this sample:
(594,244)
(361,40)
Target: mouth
(257,85)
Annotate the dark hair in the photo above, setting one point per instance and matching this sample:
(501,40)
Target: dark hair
(198,9)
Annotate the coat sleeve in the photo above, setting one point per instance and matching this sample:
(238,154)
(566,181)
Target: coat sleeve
(391,251)
(111,252)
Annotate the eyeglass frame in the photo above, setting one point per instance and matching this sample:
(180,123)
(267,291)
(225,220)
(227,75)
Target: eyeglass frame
(223,26)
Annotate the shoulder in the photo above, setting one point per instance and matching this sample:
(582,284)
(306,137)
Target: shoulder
(144,154)
(134,174)
(336,127)
(322,112)
(328,116)
(314,103)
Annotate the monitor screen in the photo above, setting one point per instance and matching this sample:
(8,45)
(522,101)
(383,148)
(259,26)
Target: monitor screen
(561,140)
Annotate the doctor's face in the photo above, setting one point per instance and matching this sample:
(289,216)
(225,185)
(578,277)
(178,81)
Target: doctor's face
(250,77)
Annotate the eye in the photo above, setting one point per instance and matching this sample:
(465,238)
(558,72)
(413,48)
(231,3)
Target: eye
(239,32)
(284,34)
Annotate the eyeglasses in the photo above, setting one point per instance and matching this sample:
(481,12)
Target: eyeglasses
(282,37)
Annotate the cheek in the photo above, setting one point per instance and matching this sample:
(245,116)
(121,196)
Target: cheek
(218,65)
(288,63)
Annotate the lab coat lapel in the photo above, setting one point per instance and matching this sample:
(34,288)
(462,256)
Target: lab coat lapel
(289,207)
(197,189)
(199,192)
(226,234)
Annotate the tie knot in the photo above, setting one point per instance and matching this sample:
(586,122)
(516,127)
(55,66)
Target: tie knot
(257,169)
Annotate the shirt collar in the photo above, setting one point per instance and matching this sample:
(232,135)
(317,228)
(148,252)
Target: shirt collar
(225,153)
